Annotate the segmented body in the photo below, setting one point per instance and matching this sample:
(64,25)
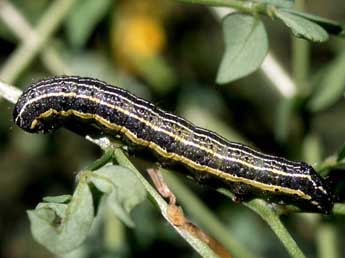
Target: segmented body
(54,102)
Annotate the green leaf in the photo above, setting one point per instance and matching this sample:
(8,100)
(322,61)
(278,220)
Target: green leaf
(341,153)
(157,72)
(283,118)
(199,246)
(331,87)
(58,199)
(81,22)
(246,47)
(312,149)
(63,227)
(122,189)
(330,26)
(278,3)
(302,27)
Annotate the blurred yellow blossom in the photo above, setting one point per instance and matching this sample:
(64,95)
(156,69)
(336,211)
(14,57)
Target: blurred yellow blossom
(139,36)
(138,39)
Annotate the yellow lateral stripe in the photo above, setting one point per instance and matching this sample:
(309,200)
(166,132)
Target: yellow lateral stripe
(176,137)
(130,135)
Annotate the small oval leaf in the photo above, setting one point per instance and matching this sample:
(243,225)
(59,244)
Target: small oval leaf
(331,87)
(246,47)
(122,189)
(302,27)
(331,26)
(63,227)
(82,21)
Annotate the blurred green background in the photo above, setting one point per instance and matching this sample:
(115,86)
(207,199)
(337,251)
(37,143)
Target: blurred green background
(169,53)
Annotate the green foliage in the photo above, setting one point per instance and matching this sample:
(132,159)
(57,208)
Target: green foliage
(277,3)
(331,85)
(341,154)
(85,16)
(312,149)
(62,223)
(246,46)
(301,27)
(246,40)
(330,26)
(284,115)
(63,227)
(122,190)
(66,198)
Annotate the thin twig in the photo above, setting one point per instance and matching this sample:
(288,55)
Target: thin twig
(203,216)
(272,218)
(16,22)
(104,143)
(34,42)
(328,241)
(9,92)
(197,244)
(301,59)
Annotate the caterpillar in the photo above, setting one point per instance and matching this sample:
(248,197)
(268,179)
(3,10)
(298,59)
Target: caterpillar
(73,101)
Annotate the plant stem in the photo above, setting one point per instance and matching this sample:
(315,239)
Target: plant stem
(114,233)
(105,158)
(203,216)
(26,52)
(244,6)
(197,244)
(300,59)
(21,28)
(327,242)
(271,217)
(273,220)
(9,92)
